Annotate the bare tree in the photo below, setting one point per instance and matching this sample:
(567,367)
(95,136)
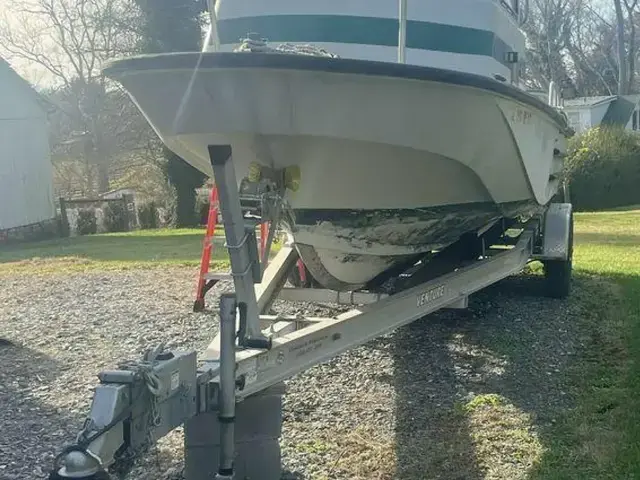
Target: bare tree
(122,132)
(549,20)
(623,76)
(581,47)
(70,40)
(632,49)
(589,45)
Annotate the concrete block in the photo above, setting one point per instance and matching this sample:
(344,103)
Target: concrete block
(257,430)
(258,460)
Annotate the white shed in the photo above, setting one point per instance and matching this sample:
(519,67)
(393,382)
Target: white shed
(26,173)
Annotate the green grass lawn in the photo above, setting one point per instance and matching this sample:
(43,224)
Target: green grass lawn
(138,249)
(600,439)
(115,251)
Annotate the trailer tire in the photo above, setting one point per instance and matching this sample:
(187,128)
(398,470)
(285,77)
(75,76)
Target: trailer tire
(558,272)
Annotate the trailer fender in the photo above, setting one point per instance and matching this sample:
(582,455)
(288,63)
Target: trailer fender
(556,233)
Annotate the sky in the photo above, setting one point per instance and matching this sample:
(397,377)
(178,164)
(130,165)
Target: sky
(34,73)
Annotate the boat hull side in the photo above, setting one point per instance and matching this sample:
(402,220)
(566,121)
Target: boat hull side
(391,164)
(494,135)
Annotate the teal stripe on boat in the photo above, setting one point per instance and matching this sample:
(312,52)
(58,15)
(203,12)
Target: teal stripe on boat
(365,30)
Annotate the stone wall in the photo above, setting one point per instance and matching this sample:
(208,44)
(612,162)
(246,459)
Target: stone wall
(35,231)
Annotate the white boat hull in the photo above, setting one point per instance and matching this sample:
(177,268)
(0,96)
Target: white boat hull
(394,160)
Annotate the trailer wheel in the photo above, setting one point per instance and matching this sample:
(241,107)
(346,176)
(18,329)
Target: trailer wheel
(558,272)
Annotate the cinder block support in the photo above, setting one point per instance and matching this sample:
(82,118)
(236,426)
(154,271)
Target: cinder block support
(257,432)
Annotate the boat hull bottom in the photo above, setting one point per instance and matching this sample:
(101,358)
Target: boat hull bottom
(344,250)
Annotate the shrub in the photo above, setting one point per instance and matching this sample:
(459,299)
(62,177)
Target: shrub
(603,169)
(86,222)
(170,208)
(116,217)
(202,208)
(148,215)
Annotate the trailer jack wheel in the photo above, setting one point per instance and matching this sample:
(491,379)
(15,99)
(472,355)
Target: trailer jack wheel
(96,476)
(558,272)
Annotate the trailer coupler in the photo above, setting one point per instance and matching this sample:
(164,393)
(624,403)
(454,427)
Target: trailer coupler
(132,406)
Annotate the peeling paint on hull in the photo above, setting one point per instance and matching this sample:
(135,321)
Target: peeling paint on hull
(372,241)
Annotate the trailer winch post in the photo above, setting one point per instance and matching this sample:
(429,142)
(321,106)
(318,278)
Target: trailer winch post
(246,269)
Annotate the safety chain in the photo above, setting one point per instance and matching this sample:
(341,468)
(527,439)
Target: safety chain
(144,368)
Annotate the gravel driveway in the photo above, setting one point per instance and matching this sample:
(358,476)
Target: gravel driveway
(459,395)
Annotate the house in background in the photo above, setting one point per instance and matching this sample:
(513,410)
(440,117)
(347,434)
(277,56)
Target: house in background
(27,207)
(614,110)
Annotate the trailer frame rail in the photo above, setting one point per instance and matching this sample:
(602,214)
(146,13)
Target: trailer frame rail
(300,343)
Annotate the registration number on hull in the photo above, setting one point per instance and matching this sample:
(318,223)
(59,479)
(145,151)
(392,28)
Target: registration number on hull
(521,116)
(430,295)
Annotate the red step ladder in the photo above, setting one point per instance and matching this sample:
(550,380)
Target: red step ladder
(207,281)
(205,284)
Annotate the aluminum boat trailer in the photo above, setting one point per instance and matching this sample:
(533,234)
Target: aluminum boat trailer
(230,402)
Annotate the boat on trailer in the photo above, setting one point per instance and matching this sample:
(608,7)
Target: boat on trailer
(410,168)
(382,132)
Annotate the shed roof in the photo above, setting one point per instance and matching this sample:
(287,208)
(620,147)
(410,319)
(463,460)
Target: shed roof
(619,112)
(589,101)
(6,67)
